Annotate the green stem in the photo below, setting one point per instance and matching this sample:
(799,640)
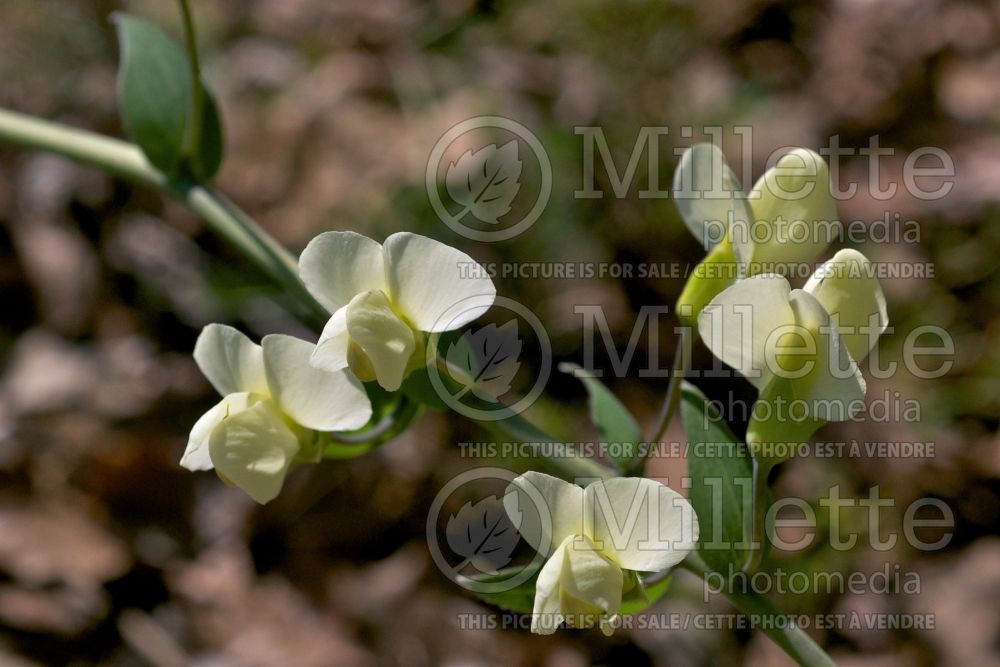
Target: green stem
(192,141)
(792,639)
(757,530)
(127,161)
(682,360)
(401,416)
(565,463)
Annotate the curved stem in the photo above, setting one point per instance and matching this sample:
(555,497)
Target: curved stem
(766,617)
(127,161)
(682,360)
(192,141)
(402,415)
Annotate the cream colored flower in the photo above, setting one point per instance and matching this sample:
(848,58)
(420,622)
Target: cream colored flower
(801,345)
(591,535)
(383,297)
(786,219)
(273,404)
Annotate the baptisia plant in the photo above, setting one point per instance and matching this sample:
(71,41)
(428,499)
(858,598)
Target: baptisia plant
(596,539)
(786,219)
(800,347)
(385,297)
(274,410)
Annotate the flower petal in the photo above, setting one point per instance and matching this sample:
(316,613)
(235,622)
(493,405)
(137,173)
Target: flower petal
(547,611)
(436,287)
(577,585)
(196,455)
(387,340)
(253,449)
(231,361)
(591,585)
(796,190)
(836,387)
(738,324)
(710,199)
(640,523)
(544,509)
(314,398)
(336,266)
(331,350)
(848,289)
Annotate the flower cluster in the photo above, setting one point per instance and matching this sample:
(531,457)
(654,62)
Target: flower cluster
(591,537)
(800,345)
(282,398)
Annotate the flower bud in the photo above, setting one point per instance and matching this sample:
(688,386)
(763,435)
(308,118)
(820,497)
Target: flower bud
(793,212)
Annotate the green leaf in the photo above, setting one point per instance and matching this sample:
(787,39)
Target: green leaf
(155,91)
(721,481)
(520,599)
(208,158)
(615,424)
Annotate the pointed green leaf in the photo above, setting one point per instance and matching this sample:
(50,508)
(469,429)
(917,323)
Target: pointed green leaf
(155,89)
(521,598)
(615,424)
(721,482)
(208,158)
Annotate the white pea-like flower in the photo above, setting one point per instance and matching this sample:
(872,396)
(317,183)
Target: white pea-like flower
(384,297)
(803,345)
(591,536)
(274,403)
(787,218)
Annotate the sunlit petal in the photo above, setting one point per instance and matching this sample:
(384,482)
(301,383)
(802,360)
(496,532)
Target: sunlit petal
(231,361)
(336,266)
(314,398)
(436,287)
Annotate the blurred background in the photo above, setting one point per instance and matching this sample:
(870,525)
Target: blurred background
(112,554)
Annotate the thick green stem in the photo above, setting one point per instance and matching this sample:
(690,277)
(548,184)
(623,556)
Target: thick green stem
(768,619)
(127,161)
